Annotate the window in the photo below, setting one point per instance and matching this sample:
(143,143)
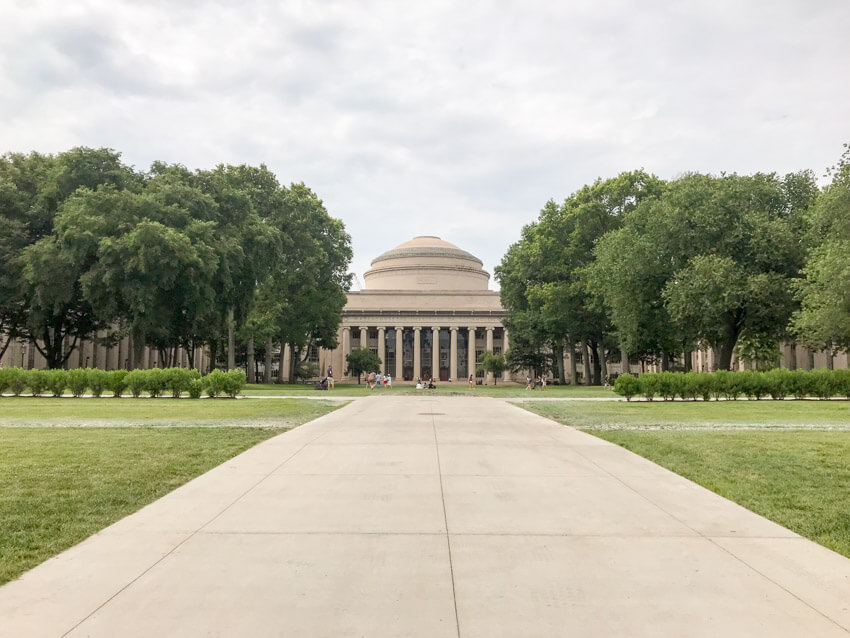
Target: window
(373,333)
(478,355)
(313,354)
(497,349)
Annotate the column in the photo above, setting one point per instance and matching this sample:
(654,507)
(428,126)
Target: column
(399,331)
(435,354)
(453,354)
(489,348)
(285,365)
(417,354)
(382,350)
(506,375)
(364,337)
(346,350)
(470,351)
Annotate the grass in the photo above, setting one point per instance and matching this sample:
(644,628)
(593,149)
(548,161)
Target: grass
(59,485)
(799,479)
(443,389)
(785,460)
(679,415)
(27,411)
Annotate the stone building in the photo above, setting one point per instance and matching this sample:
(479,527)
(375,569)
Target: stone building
(426,311)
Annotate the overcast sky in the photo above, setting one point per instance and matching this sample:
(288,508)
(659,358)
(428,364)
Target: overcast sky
(457,119)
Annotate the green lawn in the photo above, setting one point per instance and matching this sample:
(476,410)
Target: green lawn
(443,389)
(799,479)
(786,460)
(697,414)
(22,411)
(59,485)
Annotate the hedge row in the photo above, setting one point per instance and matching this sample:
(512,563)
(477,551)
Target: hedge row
(777,384)
(155,382)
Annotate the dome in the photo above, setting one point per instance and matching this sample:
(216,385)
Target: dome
(426,263)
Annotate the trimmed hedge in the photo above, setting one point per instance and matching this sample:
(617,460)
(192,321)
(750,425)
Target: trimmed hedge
(155,382)
(777,384)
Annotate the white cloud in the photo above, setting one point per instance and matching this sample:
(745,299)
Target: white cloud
(446,118)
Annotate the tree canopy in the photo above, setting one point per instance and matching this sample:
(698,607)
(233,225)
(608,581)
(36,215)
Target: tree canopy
(823,320)
(360,361)
(171,257)
(657,269)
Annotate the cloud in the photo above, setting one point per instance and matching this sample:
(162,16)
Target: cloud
(445,118)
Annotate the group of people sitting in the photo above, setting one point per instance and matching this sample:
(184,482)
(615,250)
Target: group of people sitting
(425,384)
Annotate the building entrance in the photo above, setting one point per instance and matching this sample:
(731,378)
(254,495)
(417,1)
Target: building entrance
(445,352)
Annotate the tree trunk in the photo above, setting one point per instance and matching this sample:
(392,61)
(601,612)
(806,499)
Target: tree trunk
(213,354)
(252,373)
(597,362)
(792,356)
(624,361)
(190,354)
(688,365)
(138,351)
(603,362)
(810,359)
(830,364)
(53,350)
(294,360)
(723,356)
(572,348)
(231,340)
(585,357)
(267,373)
(665,362)
(559,360)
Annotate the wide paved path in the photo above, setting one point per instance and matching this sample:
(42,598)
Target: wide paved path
(436,517)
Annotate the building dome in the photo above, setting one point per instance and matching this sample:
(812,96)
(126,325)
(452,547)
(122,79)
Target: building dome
(426,263)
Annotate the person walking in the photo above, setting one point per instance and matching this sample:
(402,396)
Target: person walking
(330,378)
(471,381)
(388,381)
(378,380)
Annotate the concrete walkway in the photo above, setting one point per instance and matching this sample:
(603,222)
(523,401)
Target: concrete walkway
(408,516)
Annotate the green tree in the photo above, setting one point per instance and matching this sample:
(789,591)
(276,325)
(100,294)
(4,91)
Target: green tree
(544,277)
(247,245)
(55,312)
(823,320)
(495,363)
(362,360)
(709,261)
(149,266)
(301,300)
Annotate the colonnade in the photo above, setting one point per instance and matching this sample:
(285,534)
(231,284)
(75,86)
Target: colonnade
(94,354)
(454,350)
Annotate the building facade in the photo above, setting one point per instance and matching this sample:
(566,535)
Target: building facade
(426,311)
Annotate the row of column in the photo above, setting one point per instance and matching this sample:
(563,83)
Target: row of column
(417,343)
